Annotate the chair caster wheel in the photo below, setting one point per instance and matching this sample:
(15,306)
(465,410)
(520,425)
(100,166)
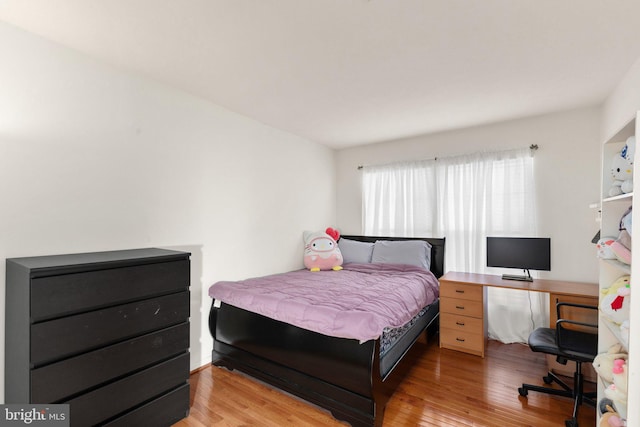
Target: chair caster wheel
(547,379)
(572,422)
(523,391)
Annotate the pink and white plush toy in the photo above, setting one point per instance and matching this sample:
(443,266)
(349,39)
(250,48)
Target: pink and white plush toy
(603,248)
(321,250)
(621,247)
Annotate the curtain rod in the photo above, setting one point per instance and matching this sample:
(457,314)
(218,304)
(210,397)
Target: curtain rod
(532,147)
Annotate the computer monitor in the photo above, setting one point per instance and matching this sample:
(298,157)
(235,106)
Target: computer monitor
(525,253)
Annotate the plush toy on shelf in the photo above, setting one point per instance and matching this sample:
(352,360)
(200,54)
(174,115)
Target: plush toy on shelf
(624,331)
(622,169)
(603,248)
(619,398)
(614,301)
(610,418)
(321,250)
(620,377)
(621,247)
(604,363)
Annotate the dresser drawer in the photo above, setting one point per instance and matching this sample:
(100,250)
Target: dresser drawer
(461,307)
(460,340)
(163,411)
(118,397)
(80,373)
(461,323)
(461,291)
(66,294)
(73,335)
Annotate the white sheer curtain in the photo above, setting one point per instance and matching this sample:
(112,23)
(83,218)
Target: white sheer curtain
(465,199)
(399,199)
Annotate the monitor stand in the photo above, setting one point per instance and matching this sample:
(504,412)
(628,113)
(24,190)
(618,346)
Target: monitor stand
(526,278)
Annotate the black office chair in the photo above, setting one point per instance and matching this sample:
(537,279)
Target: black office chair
(571,340)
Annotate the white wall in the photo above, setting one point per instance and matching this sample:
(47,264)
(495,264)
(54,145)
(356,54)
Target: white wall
(622,104)
(92,158)
(567,177)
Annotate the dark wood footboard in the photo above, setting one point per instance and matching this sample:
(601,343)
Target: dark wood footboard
(338,374)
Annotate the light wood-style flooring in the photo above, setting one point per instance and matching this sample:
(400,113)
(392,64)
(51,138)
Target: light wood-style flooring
(442,388)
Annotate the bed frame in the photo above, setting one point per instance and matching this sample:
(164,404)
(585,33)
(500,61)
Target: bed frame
(349,379)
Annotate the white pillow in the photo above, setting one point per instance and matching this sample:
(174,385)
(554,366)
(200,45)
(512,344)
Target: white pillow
(412,252)
(356,251)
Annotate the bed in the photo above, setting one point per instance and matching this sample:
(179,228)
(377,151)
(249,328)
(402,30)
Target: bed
(351,378)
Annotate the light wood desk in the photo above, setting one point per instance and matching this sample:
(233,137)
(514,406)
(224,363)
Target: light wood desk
(463,305)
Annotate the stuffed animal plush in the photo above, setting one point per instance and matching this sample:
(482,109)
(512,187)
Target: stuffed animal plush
(624,331)
(603,248)
(321,250)
(628,152)
(622,169)
(614,301)
(618,397)
(620,377)
(621,247)
(611,418)
(604,362)
(629,149)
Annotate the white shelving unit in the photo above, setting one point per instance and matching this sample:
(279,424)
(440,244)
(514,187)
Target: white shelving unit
(612,210)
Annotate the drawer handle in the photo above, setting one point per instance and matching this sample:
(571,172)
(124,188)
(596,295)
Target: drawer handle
(460,339)
(460,307)
(459,291)
(460,323)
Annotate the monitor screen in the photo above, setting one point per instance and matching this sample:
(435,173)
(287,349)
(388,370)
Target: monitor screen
(526,253)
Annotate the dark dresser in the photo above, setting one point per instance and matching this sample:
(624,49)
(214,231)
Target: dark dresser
(105,332)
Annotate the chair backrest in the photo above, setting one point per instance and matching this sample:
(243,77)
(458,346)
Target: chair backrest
(576,338)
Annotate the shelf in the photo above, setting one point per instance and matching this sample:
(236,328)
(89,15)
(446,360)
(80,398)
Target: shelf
(611,210)
(620,197)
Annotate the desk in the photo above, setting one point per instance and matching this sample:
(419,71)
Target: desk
(463,305)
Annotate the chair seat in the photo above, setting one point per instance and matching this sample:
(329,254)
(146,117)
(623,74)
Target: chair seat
(583,345)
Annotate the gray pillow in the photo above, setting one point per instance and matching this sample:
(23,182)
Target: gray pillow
(355,251)
(412,252)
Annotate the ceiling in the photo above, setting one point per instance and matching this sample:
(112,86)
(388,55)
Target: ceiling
(352,72)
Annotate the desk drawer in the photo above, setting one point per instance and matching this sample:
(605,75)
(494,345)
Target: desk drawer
(461,323)
(461,307)
(461,291)
(463,341)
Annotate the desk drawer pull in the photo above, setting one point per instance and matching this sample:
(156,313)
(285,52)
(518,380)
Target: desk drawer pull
(459,291)
(460,339)
(460,323)
(460,307)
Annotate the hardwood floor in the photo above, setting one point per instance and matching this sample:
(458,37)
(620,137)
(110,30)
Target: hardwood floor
(441,388)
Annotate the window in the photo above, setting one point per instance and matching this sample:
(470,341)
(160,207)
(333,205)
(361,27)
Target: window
(463,198)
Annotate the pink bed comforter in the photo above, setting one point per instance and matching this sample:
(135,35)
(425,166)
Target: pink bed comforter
(357,302)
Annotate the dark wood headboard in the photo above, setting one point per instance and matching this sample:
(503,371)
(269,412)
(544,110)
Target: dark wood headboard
(437,249)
